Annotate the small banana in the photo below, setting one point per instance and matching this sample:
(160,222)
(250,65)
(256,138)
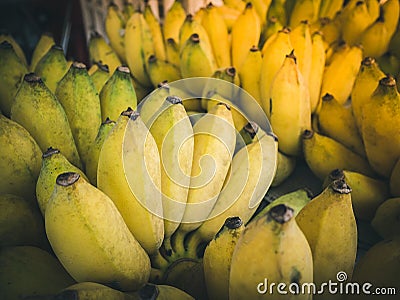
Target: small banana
(156,32)
(270,27)
(386,218)
(189,27)
(5,36)
(284,168)
(390,10)
(102,52)
(375,39)
(304,10)
(329,8)
(317,69)
(173,20)
(162,70)
(43,45)
(172,51)
(114,25)
(99,76)
(278,9)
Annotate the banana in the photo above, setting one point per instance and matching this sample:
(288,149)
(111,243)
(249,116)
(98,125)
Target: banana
(12,71)
(128,9)
(139,41)
(102,52)
(284,168)
(53,164)
(114,25)
(172,51)
(132,179)
(345,61)
(270,27)
(337,122)
(117,94)
(189,27)
(330,30)
(278,9)
(329,8)
(156,32)
(379,129)
(290,112)
(77,94)
(386,218)
(390,10)
(274,52)
(367,193)
(304,10)
(236,4)
(245,33)
(316,69)
(229,14)
(93,244)
(95,148)
(150,106)
(217,258)
(21,223)
(43,45)
(27,270)
(217,30)
(34,108)
(173,20)
(262,7)
(329,225)
(323,154)
(162,292)
(375,39)
(173,133)
(264,249)
(5,36)
(162,70)
(20,159)
(99,76)
(394,180)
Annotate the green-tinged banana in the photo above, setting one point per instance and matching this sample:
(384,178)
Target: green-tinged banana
(12,71)
(367,193)
(173,133)
(95,148)
(375,39)
(284,168)
(217,258)
(128,9)
(196,59)
(217,30)
(77,94)
(274,52)
(52,67)
(162,70)
(337,122)
(90,238)
(153,102)
(156,32)
(132,178)
(329,29)
(161,292)
(277,9)
(21,223)
(250,73)
(4,36)
(290,112)
(53,164)
(28,270)
(35,107)
(271,26)
(189,27)
(117,94)
(379,129)
(262,7)
(329,225)
(140,90)
(243,191)
(323,154)
(102,52)
(304,10)
(366,81)
(172,51)
(20,159)
(114,25)
(99,76)
(173,20)
(386,219)
(394,180)
(345,61)
(264,249)
(43,45)
(329,8)
(317,69)
(382,260)
(391,13)
(139,41)
(245,33)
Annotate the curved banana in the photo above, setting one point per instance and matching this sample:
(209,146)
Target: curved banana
(375,39)
(271,26)
(189,27)
(329,8)
(173,20)
(99,76)
(114,25)
(17,47)
(162,292)
(162,70)
(390,10)
(386,218)
(317,69)
(304,10)
(229,15)
(102,52)
(284,168)
(278,9)
(172,51)
(43,45)
(156,32)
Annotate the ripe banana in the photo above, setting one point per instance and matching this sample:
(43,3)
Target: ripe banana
(172,52)
(99,76)
(114,25)
(271,27)
(102,52)
(375,39)
(90,237)
(43,45)
(156,32)
(189,27)
(277,9)
(162,70)
(5,36)
(285,166)
(329,8)
(317,68)
(304,10)
(386,219)
(129,173)
(390,11)
(173,20)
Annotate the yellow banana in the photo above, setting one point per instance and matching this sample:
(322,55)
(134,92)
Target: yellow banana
(102,52)
(278,9)
(379,129)
(264,250)
(375,39)
(173,20)
(329,8)
(132,179)
(391,13)
(189,27)
(271,26)
(284,168)
(17,47)
(35,107)
(290,112)
(12,71)
(99,76)
(217,258)
(330,30)
(93,245)
(127,9)
(386,218)
(229,14)
(172,52)
(114,25)
(317,69)
(43,45)
(156,32)
(323,154)
(236,4)
(304,10)
(262,7)
(161,70)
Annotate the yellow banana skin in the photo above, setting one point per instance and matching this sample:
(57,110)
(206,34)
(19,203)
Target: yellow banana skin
(172,51)
(380,130)
(99,76)
(117,94)
(133,178)
(45,42)
(317,68)
(93,244)
(304,10)
(391,13)
(77,94)
(264,249)
(162,70)
(114,24)
(375,39)
(329,225)
(156,32)
(17,48)
(189,27)
(385,221)
(323,154)
(53,164)
(284,168)
(329,8)
(34,108)
(20,159)
(217,258)
(173,21)
(27,270)
(12,71)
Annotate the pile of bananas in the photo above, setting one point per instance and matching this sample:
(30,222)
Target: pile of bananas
(121,181)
